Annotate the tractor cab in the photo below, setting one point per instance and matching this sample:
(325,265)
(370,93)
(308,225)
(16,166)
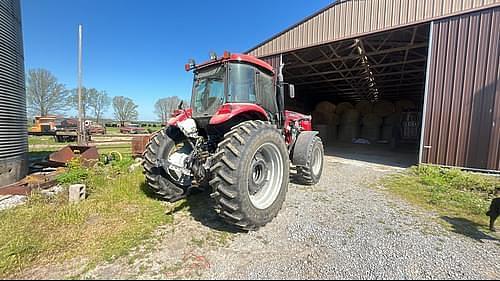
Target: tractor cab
(234,80)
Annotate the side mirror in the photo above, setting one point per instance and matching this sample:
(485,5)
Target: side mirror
(180,105)
(292,91)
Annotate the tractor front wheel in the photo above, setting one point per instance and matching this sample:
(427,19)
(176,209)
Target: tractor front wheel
(251,174)
(310,173)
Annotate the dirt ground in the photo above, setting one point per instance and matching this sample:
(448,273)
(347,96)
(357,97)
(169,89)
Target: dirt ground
(345,227)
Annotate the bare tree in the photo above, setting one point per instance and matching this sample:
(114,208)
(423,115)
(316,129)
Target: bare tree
(85,100)
(165,107)
(125,109)
(99,102)
(44,95)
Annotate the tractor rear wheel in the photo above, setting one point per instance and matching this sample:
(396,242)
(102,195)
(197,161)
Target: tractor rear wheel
(311,172)
(251,174)
(167,145)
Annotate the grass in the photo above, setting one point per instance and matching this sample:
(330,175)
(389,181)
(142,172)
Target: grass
(112,130)
(44,145)
(124,149)
(450,192)
(116,216)
(45,140)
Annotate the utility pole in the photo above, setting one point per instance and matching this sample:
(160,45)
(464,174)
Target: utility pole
(82,138)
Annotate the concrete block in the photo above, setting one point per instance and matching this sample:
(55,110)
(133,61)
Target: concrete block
(77,193)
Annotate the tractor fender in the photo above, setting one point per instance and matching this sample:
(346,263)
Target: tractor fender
(230,110)
(304,140)
(179,116)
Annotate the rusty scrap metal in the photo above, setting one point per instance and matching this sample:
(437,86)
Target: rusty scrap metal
(17,188)
(88,154)
(139,144)
(41,180)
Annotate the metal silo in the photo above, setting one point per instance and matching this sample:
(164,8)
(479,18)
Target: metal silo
(13,128)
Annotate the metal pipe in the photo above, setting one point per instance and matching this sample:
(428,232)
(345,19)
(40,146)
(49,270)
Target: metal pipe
(82,140)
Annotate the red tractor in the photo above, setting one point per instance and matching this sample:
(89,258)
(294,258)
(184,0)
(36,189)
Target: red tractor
(236,139)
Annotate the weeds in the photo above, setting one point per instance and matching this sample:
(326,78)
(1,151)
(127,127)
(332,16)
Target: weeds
(447,191)
(76,173)
(116,217)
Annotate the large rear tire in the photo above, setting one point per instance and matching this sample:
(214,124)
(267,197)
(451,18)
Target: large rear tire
(251,175)
(162,146)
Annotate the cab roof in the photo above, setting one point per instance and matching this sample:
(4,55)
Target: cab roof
(237,58)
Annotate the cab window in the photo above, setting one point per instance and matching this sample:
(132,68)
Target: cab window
(241,87)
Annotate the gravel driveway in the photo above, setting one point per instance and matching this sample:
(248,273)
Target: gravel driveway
(345,227)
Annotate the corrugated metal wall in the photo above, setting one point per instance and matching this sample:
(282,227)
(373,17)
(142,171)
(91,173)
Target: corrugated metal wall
(463,94)
(13,131)
(274,61)
(355,18)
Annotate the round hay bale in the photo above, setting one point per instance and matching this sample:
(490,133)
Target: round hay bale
(319,117)
(370,133)
(386,133)
(350,116)
(335,120)
(364,107)
(404,105)
(332,133)
(383,108)
(343,106)
(348,132)
(326,107)
(323,132)
(392,119)
(372,120)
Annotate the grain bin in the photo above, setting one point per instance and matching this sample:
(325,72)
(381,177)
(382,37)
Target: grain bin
(13,129)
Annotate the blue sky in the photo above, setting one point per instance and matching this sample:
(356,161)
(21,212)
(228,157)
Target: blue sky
(138,48)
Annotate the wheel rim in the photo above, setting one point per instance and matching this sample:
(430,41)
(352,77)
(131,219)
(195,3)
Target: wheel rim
(266,176)
(316,161)
(181,148)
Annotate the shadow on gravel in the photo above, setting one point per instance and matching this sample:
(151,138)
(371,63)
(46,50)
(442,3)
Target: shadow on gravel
(404,156)
(201,207)
(468,228)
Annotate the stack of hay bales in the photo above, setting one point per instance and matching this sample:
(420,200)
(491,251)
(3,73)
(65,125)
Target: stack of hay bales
(364,107)
(371,127)
(405,105)
(388,127)
(325,120)
(384,108)
(343,107)
(394,119)
(325,107)
(349,122)
(372,121)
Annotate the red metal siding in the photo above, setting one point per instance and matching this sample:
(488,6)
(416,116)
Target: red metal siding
(463,96)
